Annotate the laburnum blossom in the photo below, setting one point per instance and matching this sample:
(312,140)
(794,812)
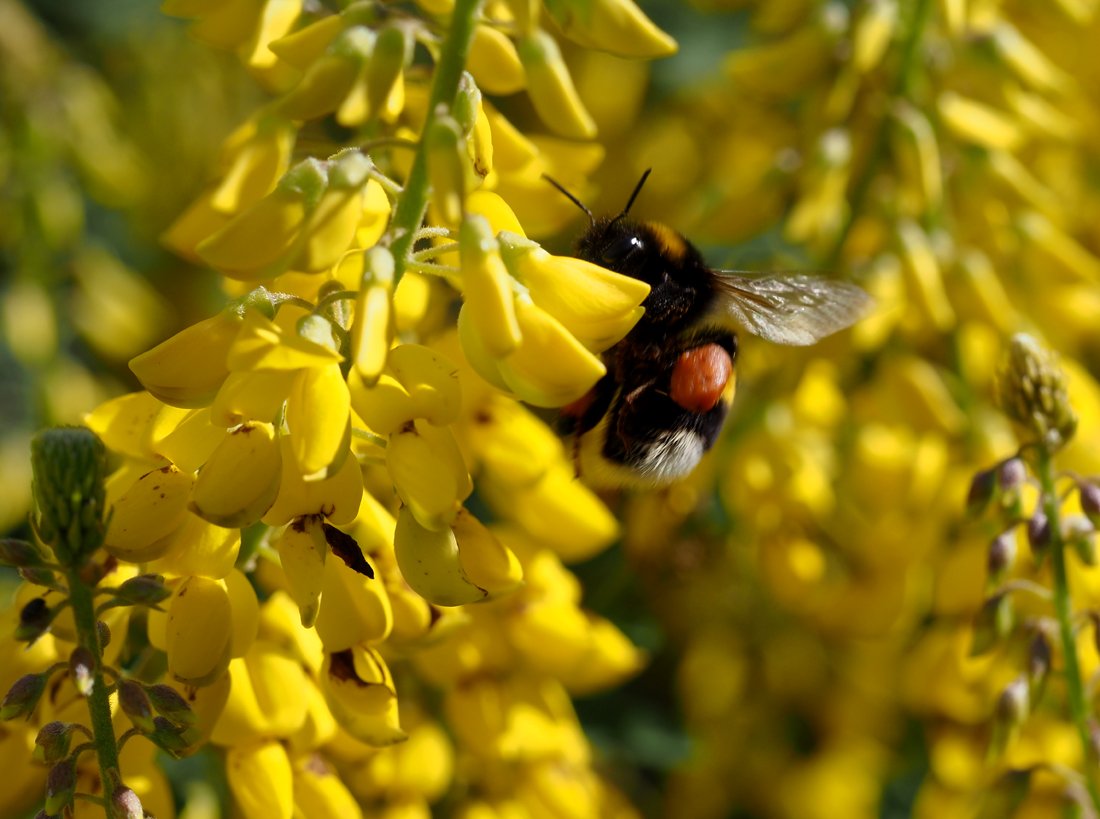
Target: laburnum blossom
(328,492)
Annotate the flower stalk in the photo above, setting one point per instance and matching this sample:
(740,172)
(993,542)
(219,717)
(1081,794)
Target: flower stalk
(69,478)
(409,212)
(99,708)
(1063,610)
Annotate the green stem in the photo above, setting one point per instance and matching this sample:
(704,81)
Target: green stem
(876,154)
(448,71)
(1063,609)
(82,599)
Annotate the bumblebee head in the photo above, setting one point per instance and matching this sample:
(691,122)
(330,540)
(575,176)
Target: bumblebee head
(615,242)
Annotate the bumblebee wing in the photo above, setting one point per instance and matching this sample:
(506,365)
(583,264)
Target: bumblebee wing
(793,308)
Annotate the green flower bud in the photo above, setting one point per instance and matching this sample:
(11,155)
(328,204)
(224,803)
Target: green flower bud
(320,330)
(467,103)
(60,786)
(168,737)
(70,466)
(1078,532)
(134,702)
(169,704)
(23,696)
(104,634)
(260,299)
(447,163)
(1031,390)
(53,741)
(309,179)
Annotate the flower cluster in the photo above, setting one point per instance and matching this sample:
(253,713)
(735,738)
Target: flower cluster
(297,477)
(935,152)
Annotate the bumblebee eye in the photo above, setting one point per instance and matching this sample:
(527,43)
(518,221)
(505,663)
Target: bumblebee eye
(621,248)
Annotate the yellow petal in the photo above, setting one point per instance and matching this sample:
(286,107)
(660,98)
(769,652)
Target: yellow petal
(494,62)
(428,472)
(199,547)
(188,369)
(336,497)
(253,245)
(239,482)
(261,779)
(147,514)
(197,640)
(487,288)
(551,88)
(355,609)
(318,411)
(617,26)
(550,368)
(596,305)
(262,344)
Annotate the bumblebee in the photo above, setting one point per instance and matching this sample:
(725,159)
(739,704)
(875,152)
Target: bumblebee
(670,382)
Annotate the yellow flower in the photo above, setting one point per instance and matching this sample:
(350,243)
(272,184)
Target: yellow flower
(597,306)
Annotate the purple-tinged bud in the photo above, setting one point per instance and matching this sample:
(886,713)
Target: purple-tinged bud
(1013,706)
(126,804)
(1014,703)
(993,622)
(60,786)
(169,704)
(1011,474)
(136,705)
(53,741)
(1038,664)
(1002,555)
(143,590)
(104,633)
(46,578)
(20,553)
(981,492)
(1039,535)
(23,696)
(1089,496)
(82,668)
(35,619)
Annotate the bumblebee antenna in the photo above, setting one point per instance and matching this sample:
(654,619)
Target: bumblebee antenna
(571,197)
(633,196)
(637,190)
